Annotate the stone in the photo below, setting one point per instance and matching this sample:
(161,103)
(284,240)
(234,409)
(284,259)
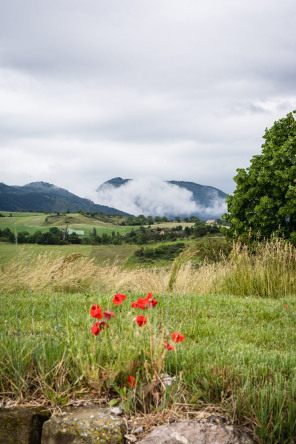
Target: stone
(131,438)
(116,411)
(88,424)
(193,432)
(22,425)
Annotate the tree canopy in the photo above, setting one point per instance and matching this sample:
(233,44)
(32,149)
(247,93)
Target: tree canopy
(264,200)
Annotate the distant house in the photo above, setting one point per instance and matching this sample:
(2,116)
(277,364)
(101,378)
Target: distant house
(211,222)
(79,232)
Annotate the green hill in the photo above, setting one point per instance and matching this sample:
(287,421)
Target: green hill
(43,196)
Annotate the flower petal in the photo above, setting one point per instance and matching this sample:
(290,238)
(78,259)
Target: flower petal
(131,381)
(95,329)
(108,314)
(118,298)
(141,320)
(96,311)
(176,337)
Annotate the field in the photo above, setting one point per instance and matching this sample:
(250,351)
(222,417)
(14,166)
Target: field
(100,253)
(238,316)
(231,357)
(32,222)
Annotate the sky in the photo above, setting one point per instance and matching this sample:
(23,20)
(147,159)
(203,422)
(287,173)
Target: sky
(151,90)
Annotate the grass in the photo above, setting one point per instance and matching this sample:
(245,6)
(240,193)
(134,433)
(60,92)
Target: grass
(231,356)
(99,253)
(239,353)
(33,222)
(270,272)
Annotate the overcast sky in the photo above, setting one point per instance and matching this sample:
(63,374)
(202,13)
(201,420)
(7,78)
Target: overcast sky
(177,90)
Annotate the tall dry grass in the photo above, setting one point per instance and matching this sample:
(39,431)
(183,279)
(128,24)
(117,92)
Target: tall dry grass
(269,271)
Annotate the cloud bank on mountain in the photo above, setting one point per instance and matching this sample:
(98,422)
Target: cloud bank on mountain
(153,197)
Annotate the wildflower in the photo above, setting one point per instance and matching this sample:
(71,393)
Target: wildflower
(167,346)
(108,314)
(286,306)
(98,326)
(145,302)
(131,381)
(176,337)
(96,311)
(140,320)
(141,303)
(118,298)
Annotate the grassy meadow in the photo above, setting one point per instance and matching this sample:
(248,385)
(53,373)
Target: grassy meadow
(238,315)
(32,222)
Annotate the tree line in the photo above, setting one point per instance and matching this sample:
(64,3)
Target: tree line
(141,236)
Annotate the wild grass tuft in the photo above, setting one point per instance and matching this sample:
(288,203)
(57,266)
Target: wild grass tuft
(267,271)
(238,354)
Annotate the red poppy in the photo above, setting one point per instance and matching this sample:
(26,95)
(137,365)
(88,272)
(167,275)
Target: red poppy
(96,311)
(152,303)
(176,337)
(98,326)
(286,306)
(149,295)
(118,298)
(108,314)
(167,346)
(141,303)
(140,320)
(131,381)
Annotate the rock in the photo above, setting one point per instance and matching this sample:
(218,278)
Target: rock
(138,430)
(84,424)
(116,411)
(131,438)
(196,433)
(22,425)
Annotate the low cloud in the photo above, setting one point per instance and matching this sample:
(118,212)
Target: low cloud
(153,197)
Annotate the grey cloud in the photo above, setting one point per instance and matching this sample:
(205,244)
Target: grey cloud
(96,89)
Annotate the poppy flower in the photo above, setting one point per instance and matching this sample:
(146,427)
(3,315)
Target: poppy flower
(286,306)
(140,320)
(167,346)
(96,311)
(152,303)
(98,326)
(108,314)
(176,337)
(141,303)
(131,381)
(118,298)
(149,295)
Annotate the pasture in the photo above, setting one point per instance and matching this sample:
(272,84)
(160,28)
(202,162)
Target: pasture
(238,316)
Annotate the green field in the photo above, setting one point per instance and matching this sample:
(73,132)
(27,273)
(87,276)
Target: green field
(100,253)
(32,222)
(238,354)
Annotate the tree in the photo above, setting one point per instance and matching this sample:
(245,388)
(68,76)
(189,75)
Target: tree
(265,197)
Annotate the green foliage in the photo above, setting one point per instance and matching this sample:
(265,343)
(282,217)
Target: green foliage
(164,252)
(265,197)
(212,250)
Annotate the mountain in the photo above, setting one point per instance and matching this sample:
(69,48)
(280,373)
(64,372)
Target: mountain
(162,198)
(43,196)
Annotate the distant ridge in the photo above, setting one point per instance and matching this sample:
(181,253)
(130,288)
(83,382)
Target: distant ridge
(43,196)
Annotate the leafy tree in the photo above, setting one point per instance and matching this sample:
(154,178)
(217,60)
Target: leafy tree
(265,197)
